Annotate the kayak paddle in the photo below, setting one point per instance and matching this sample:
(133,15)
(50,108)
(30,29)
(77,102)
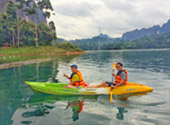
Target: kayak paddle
(113,68)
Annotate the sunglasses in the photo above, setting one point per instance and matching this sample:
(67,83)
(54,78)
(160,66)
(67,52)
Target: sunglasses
(118,66)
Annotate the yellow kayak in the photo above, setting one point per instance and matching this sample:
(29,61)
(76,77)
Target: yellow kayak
(131,88)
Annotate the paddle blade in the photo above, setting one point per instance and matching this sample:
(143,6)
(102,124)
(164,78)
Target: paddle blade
(113,66)
(111,98)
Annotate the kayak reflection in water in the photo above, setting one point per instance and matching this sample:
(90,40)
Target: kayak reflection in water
(120,114)
(120,78)
(77,107)
(76,78)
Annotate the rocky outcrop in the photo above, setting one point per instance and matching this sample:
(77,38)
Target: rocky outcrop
(166,27)
(135,34)
(3,5)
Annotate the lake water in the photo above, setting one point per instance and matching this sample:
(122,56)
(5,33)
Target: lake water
(19,105)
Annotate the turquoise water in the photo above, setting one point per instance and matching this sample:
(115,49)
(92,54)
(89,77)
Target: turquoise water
(19,105)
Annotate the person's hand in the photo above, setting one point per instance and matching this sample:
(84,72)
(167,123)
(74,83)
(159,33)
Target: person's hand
(113,74)
(65,75)
(112,86)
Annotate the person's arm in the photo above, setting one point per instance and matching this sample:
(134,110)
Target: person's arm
(69,103)
(71,83)
(122,82)
(75,79)
(65,75)
(113,75)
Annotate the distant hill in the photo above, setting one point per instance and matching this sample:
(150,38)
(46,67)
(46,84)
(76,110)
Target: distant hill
(92,43)
(102,37)
(155,30)
(146,42)
(60,40)
(107,43)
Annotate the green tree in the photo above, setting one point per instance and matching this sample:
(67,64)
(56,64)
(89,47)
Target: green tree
(20,6)
(4,31)
(32,11)
(27,34)
(44,5)
(53,28)
(11,11)
(45,35)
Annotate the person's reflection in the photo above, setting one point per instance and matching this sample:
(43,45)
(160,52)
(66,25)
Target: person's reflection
(120,114)
(77,107)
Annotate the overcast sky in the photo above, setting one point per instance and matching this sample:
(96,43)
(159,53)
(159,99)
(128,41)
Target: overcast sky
(77,19)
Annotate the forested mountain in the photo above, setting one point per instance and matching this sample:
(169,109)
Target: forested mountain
(146,42)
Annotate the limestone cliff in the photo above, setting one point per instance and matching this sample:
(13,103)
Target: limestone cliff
(40,17)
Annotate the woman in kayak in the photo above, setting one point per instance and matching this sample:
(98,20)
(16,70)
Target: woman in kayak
(76,78)
(120,78)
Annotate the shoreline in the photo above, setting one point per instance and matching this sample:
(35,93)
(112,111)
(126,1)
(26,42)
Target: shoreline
(42,50)
(32,61)
(21,63)
(11,56)
(44,54)
(151,49)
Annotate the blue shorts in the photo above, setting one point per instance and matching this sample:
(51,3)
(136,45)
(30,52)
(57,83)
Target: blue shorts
(110,83)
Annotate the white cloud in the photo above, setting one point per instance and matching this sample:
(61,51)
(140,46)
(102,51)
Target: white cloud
(82,18)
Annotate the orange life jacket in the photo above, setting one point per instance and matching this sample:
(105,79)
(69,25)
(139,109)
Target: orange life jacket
(118,78)
(81,82)
(81,108)
(78,103)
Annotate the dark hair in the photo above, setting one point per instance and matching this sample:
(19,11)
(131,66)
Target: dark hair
(120,64)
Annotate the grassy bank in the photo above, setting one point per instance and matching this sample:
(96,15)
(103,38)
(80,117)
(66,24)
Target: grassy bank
(33,50)
(10,54)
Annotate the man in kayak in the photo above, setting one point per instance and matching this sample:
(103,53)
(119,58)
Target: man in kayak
(76,78)
(120,78)
(77,107)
